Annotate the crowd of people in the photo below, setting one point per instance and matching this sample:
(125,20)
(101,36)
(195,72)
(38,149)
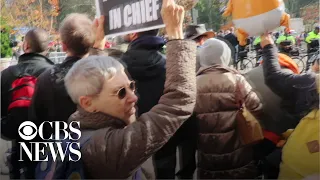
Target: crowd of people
(286,41)
(141,105)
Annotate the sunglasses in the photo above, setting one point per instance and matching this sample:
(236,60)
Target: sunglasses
(122,93)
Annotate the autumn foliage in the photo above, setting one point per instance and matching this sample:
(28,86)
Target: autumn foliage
(30,13)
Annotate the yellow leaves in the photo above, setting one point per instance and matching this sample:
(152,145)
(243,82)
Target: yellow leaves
(31,13)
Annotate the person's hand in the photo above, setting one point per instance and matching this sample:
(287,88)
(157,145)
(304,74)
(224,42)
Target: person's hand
(173,16)
(266,39)
(98,27)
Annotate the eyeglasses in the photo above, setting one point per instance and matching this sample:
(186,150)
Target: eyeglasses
(122,93)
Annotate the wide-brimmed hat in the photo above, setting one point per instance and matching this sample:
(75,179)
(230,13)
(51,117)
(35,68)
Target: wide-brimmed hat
(194,31)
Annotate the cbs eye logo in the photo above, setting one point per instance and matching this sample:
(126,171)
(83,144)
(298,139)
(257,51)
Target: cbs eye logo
(27,130)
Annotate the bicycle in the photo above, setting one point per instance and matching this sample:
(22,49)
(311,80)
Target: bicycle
(313,52)
(243,63)
(313,57)
(287,48)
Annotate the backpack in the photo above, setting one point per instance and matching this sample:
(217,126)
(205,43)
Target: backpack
(300,155)
(20,96)
(51,169)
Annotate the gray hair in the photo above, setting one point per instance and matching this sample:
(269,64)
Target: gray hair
(88,75)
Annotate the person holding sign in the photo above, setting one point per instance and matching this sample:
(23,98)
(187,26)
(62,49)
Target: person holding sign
(121,146)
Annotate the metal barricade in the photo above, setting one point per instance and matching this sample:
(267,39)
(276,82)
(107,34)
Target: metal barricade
(57,57)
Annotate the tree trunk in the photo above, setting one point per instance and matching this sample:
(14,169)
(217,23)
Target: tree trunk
(210,14)
(51,23)
(41,13)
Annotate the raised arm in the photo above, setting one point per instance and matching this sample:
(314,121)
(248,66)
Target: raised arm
(282,83)
(309,38)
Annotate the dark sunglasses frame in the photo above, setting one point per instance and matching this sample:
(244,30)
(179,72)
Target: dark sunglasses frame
(122,92)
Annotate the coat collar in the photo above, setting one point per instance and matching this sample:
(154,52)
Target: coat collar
(215,68)
(33,57)
(147,43)
(95,121)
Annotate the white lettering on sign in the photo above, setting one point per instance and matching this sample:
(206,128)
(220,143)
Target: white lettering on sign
(136,17)
(134,13)
(143,10)
(155,8)
(115,18)
(148,10)
(127,15)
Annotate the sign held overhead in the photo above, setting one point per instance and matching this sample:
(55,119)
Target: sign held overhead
(127,16)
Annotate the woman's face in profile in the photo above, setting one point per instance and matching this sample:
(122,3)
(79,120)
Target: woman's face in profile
(117,98)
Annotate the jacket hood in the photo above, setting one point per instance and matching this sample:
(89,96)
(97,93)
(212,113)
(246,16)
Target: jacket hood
(143,60)
(214,51)
(217,68)
(147,43)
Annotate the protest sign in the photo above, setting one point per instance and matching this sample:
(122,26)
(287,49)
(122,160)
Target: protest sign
(128,16)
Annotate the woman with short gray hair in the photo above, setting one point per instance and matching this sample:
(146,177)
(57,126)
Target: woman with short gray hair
(120,146)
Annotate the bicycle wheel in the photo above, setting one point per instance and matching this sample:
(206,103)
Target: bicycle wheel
(244,66)
(300,63)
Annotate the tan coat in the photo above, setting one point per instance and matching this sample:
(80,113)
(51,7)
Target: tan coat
(116,151)
(220,153)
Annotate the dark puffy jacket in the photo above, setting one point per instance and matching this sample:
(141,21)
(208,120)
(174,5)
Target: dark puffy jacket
(146,66)
(51,101)
(232,39)
(298,92)
(31,64)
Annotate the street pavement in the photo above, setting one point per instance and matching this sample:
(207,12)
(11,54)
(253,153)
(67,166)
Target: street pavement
(4,146)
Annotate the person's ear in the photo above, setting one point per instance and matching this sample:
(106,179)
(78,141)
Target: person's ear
(133,36)
(25,47)
(64,47)
(202,40)
(87,104)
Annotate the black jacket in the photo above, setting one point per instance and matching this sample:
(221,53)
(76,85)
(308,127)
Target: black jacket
(30,63)
(51,101)
(146,65)
(232,47)
(299,92)
(232,39)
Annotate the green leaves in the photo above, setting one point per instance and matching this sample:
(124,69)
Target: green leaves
(6,50)
(209,13)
